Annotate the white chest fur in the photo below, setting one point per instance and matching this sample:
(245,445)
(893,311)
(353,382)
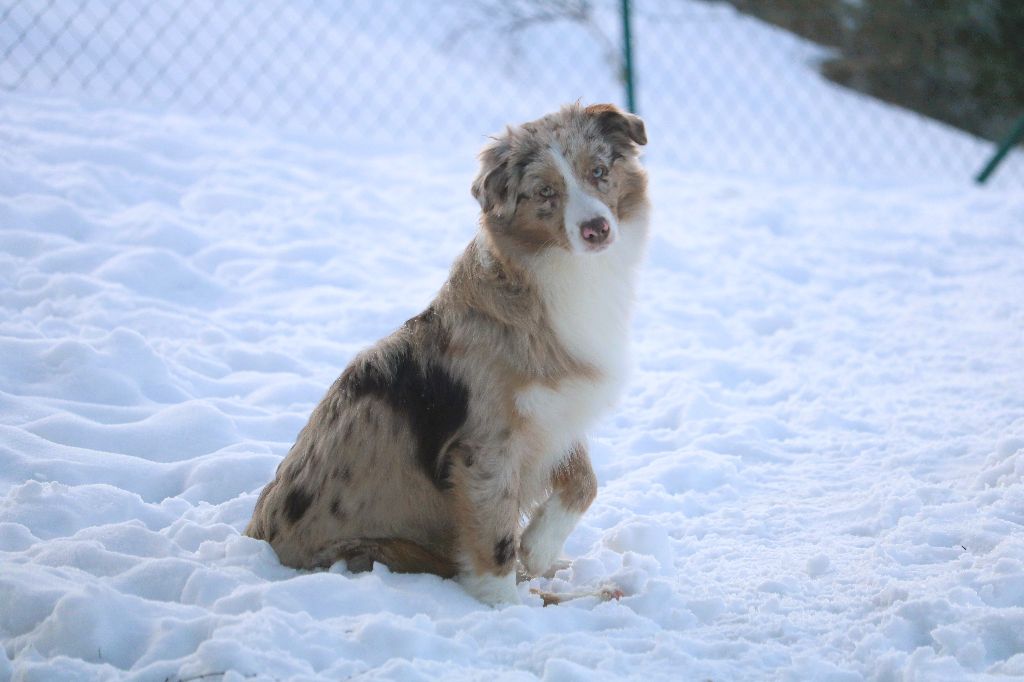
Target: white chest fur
(588,298)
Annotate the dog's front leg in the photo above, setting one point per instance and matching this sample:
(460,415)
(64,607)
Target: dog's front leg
(574,487)
(487,508)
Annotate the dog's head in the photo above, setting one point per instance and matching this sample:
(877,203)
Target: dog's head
(567,180)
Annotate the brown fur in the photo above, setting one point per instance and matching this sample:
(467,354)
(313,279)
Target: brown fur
(421,456)
(574,481)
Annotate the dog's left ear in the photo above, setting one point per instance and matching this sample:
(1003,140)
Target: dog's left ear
(491,187)
(611,120)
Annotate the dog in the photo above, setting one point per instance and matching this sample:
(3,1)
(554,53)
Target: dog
(433,444)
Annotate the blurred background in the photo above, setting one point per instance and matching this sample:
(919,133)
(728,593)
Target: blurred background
(775,88)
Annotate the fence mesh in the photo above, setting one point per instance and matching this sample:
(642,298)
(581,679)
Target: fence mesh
(721,92)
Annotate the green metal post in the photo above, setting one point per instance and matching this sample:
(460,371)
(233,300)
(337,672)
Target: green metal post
(627,58)
(1013,138)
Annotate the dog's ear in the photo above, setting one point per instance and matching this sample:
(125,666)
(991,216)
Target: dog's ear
(491,187)
(612,121)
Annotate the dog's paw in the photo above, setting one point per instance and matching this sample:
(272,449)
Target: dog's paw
(492,590)
(543,539)
(539,556)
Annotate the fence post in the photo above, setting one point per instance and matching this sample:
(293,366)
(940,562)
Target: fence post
(1004,148)
(627,58)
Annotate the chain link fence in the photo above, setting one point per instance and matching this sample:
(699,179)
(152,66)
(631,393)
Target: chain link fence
(721,92)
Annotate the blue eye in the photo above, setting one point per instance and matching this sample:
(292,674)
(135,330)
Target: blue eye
(547,191)
(599,172)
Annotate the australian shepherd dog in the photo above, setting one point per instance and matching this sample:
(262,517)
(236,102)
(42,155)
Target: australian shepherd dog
(436,443)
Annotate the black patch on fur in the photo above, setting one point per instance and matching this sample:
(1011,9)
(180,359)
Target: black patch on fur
(346,474)
(434,403)
(336,508)
(296,504)
(437,406)
(271,532)
(505,550)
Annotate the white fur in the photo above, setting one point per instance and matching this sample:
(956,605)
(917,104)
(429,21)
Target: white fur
(561,416)
(492,590)
(581,206)
(588,297)
(543,539)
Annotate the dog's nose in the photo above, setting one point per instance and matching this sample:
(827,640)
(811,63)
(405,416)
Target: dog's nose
(595,230)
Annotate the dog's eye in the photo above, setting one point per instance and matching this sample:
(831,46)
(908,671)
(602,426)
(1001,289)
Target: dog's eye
(599,172)
(547,191)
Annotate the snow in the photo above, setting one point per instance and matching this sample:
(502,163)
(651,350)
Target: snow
(816,471)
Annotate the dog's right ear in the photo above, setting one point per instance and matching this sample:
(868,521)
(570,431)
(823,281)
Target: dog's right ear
(491,187)
(616,122)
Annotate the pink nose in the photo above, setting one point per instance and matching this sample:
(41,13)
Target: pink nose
(595,231)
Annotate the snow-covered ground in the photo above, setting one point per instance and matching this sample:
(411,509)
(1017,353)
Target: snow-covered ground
(817,471)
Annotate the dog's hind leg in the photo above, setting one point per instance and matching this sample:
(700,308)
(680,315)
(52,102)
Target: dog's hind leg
(574,487)
(400,556)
